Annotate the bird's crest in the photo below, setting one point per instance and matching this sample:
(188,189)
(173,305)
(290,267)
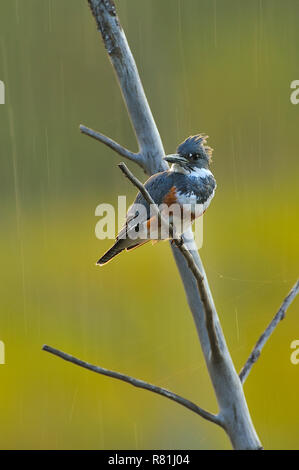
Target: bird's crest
(196,144)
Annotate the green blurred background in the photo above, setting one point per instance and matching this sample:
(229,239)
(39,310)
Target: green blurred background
(223,67)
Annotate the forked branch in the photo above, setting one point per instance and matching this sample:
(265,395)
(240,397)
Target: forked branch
(134,157)
(233,408)
(211,328)
(136,383)
(115,41)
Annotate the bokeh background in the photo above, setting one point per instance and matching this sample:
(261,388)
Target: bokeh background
(223,67)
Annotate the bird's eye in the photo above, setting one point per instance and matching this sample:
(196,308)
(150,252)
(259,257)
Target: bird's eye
(193,156)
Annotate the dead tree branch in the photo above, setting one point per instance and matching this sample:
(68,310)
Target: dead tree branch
(256,352)
(233,416)
(125,68)
(214,344)
(228,389)
(136,383)
(134,157)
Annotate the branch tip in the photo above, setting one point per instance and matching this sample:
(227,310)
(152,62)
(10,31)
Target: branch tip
(135,157)
(280,315)
(137,383)
(211,327)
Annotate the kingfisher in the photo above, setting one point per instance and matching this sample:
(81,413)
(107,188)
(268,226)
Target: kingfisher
(183,193)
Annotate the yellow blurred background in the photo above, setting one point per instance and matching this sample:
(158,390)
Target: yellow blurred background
(223,67)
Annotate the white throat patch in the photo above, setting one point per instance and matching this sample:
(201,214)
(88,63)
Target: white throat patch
(200,172)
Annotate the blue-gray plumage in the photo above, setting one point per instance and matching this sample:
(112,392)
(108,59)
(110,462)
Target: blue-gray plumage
(189,181)
(194,146)
(160,184)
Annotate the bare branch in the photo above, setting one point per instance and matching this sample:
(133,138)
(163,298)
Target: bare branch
(136,383)
(134,157)
(228,388)
(214,343)
(123,62)
(256,352)
(123,167)
(152,151)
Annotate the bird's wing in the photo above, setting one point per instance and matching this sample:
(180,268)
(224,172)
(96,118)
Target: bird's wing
(161,188)
(132,214)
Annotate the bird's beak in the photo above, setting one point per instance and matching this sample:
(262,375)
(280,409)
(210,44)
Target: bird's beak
(175,158)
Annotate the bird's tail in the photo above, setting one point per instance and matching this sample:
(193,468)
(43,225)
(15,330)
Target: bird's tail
(117,248)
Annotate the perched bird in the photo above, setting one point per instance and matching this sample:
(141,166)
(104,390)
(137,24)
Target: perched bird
(188,185)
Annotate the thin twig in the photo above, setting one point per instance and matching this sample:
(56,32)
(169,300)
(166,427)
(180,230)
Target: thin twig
(115,41)
(134,157)
(161,220)
(214,343)
(226,383)
(136,383)
(256,352)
